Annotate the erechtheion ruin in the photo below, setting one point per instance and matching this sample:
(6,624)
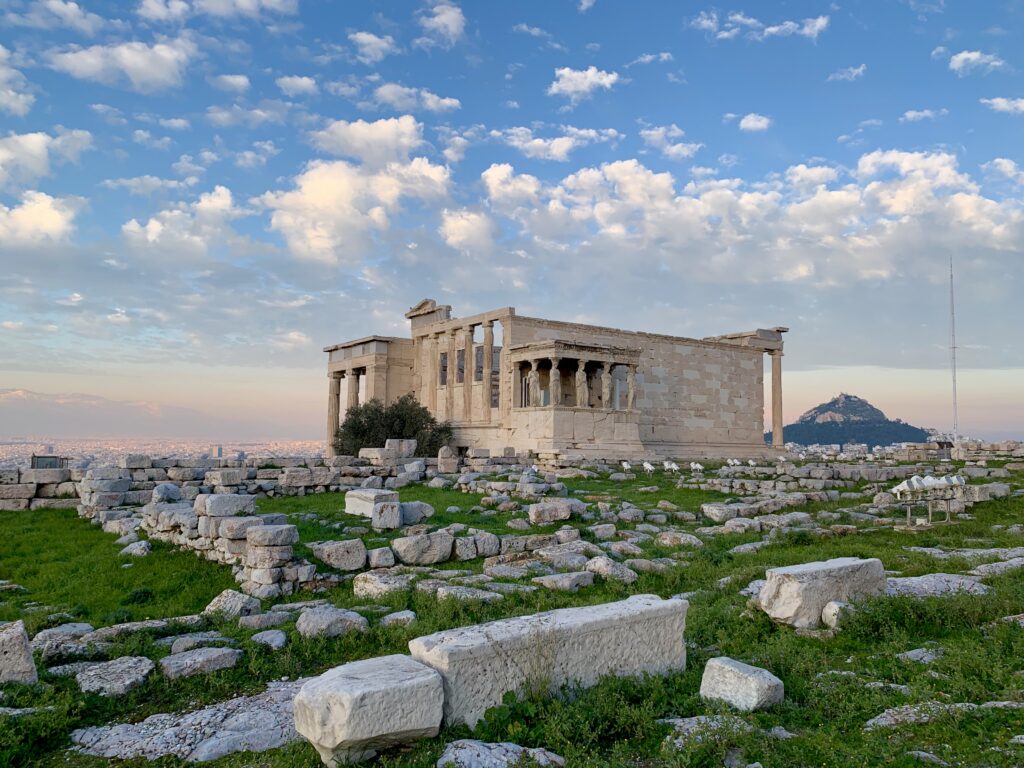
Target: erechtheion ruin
(564,387)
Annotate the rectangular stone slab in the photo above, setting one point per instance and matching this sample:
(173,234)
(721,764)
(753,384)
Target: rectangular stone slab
(351,711)
(480,663)
(796,594)
(362,501)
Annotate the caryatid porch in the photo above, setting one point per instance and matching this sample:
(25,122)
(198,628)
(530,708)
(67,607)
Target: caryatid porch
(566,393)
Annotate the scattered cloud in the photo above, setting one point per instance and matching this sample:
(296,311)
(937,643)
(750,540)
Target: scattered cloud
(376,144)
(27,157)
(540,34)
(663,138)
(38,218)
(148,140)
(557,147)
(755,122)
(252,9)
(1002,104)
(54,14)
(15,97)
(142,68)
(650,58)
(443,25)
(149,185)
(848,74)
(737,23)
(467,231)
(164,11)
(267,111)
(917,115)
(579,84)
(1003,166)
(404,99)
(372,48)
(966,62)
(296,85)
(230,83)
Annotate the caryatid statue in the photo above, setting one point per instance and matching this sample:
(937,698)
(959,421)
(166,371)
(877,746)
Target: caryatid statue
(582,390)
(533,386)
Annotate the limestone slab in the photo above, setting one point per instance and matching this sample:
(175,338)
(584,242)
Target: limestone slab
(745,687)
(480,663)
(16,662)
(796,594)
(352,711)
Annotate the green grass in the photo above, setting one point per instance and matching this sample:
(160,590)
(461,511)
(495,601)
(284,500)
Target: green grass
(69,565)
(614,723)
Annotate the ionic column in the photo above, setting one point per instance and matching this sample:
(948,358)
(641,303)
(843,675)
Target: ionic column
(450,387)
(333,410)
(486,389)
(630,387)
(606,384)
(430,376)
(777,440)
(555,386)
(468,365)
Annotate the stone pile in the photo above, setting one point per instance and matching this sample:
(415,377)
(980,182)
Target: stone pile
(225,528)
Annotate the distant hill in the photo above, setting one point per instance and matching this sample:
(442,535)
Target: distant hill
(849,419)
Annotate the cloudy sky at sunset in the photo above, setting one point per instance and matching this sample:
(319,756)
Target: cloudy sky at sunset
(196,196)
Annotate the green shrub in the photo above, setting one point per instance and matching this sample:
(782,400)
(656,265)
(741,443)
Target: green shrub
(370,424)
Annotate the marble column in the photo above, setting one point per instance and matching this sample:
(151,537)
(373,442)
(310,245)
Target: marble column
(630,387)
(487,389)
(606,384)
(333,410)
(468,364)
(352,388)
(450,387)
(555,385)
(777,437)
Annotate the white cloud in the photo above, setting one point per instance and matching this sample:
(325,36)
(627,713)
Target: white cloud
(38,219)
(965,62)
(586,5)
(192,226)
(334,208)
(554,148)
(148,185)
(15,97)
(505,188)
(296,85)
(257,156)
(663,138)
(579,84)
(146,139)
(1002,104)
(755,122)
(1003,166)
(372,48)
(737,23)
(163,10)
(267,111)
(290,340)
(175,123)
(917,115)
(230,83)
(53,14)
(471,232)
(26,157)
(443,25)
(802,176)
(404,99)
(143,68)
(249,8)
(650,58)
(848,74)
(377,143)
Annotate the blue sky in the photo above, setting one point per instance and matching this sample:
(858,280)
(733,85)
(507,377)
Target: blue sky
(198,195)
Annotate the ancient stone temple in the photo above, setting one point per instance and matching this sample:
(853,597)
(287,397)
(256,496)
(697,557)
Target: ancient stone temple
(508,381)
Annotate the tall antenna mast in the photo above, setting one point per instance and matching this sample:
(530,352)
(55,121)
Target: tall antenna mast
(952,351)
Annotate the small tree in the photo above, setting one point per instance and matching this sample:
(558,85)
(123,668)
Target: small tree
(370,424)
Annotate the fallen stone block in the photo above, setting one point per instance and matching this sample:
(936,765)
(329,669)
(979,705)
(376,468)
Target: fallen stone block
(424,549)
(230,604)
(115,678)
(328,621)
(797,594)
(16,662)
(481,663)
(470,753)
(345,555)
(352,711)
(740,685)
(362,501)
(199,661)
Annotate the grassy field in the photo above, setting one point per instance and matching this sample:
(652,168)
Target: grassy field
(72,566)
